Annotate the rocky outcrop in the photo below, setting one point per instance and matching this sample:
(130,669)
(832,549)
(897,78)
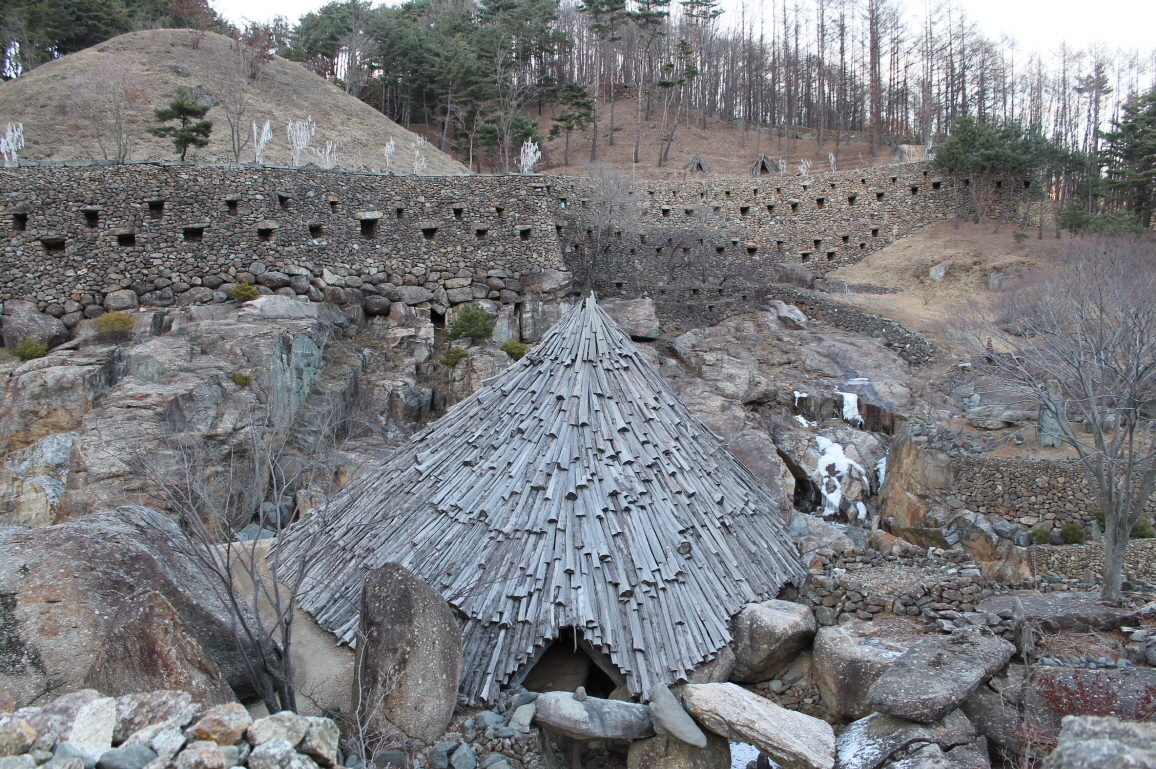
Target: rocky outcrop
(871,741)
(147,647)
(785,736)
(636,316)
(409,655)
(75,577)
(937,674)
(23,321)
(767,636)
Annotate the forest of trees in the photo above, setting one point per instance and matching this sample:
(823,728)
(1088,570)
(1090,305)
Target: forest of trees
(479,73)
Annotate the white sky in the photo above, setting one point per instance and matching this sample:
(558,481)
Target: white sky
(1035,24)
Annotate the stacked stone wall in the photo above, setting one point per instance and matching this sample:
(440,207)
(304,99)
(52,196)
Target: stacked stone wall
(78,233)
(1028,491)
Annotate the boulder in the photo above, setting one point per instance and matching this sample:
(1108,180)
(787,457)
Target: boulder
(715,670)
(996,716)
(93,727)
(592,718)
(1058,612)
(196,295)
(130,757)
(1090,742)
(377,305)
(223,724)
(274,307)
(789,315)
(787,737)
(285,725)
(848,659)
(793,274)
(636,317)
(147,647)
(124,299)
(409,655)
(412,295)
(669,753)
(144,709)
(66,582)
(670,719)
(938,673)
(202,754)
(869,742)
(27,322)
(767,636)
(273,280)
(546,282)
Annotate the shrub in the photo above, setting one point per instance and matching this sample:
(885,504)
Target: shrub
(1073,534)
(1143,529)
(473,322)
(452,356)
(515,350)
(240,379)
(1040,536)
(114,323)
(242,292)
(29,348)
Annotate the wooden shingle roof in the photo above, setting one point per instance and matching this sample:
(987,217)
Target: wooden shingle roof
(571,490)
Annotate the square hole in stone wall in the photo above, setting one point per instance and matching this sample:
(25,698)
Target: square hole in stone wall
(481,233)
(91,217)
(156,208)
(429,233)
(126,239)
(232,206)
(369,228)
(316,230)
(194,234)
(53,244)
(19,222)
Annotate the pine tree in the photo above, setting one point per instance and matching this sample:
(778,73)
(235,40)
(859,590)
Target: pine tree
(578,115)
(192,131)
(1130,154)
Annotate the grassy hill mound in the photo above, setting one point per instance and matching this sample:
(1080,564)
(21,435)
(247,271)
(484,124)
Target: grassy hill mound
(68,105)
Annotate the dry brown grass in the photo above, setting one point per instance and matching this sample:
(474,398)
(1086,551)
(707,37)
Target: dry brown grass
(49,100)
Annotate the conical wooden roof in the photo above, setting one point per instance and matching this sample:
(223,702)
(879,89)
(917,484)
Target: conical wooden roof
(572,490)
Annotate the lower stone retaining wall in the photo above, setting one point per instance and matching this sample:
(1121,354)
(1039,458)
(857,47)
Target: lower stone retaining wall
(1071,561)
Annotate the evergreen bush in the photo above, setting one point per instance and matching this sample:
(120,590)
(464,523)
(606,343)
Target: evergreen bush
(473,322)
(242,292)
(515,350)
(29,348)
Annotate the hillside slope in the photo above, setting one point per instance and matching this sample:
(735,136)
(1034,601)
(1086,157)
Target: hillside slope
(61,104)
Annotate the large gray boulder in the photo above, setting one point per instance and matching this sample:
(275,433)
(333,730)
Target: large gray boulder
(767,636)
(869,742)
(24,321)
(848,659)
(409,655)
(1089,742)
(67,582)
(147,647)
(1057,612)
(938,673)
(787,737)
(592,718)
(669,753)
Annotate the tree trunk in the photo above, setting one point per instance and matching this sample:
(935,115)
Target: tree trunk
(1115,544)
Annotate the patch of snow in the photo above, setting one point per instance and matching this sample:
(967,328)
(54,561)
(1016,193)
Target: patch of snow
(851,408)
(742,754)
(881,470)
(858,381)
(802,420)
(862,509)
(799,395)
(833,467)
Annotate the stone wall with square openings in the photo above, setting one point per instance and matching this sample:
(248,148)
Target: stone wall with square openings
(81,232)
(723,230)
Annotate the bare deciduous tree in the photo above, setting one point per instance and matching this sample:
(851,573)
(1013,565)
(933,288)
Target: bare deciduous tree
(611,198)
(1081,343)
(105,102)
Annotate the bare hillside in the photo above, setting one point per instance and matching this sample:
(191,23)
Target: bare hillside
(66,105)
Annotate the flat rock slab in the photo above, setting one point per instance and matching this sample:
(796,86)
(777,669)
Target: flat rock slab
(870,741)
(592,718)
(670,719)
(1055,612)
(937,674)
(790,739)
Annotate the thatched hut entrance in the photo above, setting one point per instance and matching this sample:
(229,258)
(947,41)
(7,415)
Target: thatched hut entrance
(566,664)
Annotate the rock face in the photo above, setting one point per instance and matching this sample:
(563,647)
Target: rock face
(848,659)
(869,742)
(1088,742)
(767,636)
(410,657)
(937,674)
(636,316)
(669,753)
(1054,692)
(592,718)
(147,647)
(76,576)
(789,738)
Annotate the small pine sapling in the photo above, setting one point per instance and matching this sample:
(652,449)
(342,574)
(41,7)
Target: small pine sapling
(191,131)
(242,292)
(29,348)
(452,357)
(473,322)
(515,350)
